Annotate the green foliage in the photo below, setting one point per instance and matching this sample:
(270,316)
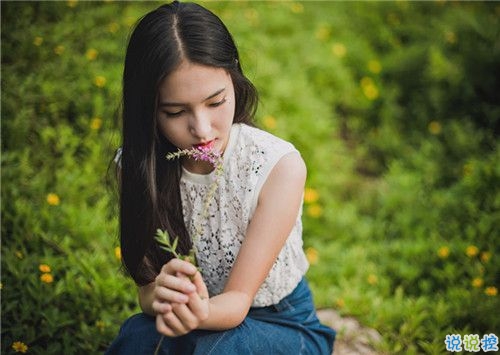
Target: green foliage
(394,110)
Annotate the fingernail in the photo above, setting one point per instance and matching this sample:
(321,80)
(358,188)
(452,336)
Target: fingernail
(182,298)
(191,288)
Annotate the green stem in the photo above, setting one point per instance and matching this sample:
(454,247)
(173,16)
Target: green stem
(159,345)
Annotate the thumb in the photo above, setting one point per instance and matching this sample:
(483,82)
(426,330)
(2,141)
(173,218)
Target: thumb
(201,287)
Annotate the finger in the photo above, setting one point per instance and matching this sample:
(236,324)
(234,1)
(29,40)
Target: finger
(199,307)
(164,294)
(200,285)
(184,314)
(198,301)
(174,323)
(161,307)
(178,265)
(183,276)
(162,327)
(172,282)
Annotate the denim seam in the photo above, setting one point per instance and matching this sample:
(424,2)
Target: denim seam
(302,343)
(288,305)
(217,342)
(311,317)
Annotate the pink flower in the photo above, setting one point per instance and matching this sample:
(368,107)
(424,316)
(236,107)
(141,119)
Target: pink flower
(200,153)
(206,154)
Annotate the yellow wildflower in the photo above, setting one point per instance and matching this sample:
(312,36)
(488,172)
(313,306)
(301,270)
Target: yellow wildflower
(369,88)
(393,19)
(434,127)
(374,66)
(297,8)
(477,282)
(53,199)
(95,123)
(19,254)
(100,81)
(323,33)
(443,252)
(38,41)
(372,279)
(485,256)
(468,169)
(91,54)
(100,325)
(47,278)
(129,20)
(113,27)
(118,253)
(339,50)
(340,303)
(269,122)
(44,268)
(19,347)
(310,195)
(312,255)
(450,37)
(371,92)
(471,251)
(252,15)
(72,3)
(59,49)
(1,286)
(491,291)
(314,210)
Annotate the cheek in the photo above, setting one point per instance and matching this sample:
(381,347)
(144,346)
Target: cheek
(168,130)
(229,111)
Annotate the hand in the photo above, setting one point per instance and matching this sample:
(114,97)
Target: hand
(169,288)
(179,308)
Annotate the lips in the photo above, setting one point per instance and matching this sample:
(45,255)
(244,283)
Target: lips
(207,145)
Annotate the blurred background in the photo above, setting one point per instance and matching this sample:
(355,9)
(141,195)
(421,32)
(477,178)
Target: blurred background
(393,105)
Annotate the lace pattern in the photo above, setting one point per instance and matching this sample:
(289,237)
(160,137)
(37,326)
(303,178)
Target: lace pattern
(249,158)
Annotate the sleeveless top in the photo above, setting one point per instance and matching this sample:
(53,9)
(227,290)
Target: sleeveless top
(248,159)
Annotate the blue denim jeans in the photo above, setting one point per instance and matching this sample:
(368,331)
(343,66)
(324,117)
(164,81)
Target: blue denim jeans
(289,327)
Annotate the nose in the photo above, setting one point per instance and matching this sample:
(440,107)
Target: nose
(200,125)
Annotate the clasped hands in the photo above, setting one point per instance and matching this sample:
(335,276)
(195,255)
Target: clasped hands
(180,298)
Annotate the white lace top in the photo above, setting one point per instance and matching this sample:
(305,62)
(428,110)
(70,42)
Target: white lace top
(249,157)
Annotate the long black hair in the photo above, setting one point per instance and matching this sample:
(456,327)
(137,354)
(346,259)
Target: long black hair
(150,195)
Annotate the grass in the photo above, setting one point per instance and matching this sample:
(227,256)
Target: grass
(393,110)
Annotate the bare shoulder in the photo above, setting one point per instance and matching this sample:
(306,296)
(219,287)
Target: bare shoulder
(290,166)
(286,179)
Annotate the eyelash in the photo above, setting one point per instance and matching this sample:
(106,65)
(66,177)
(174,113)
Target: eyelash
(218,103)
(177,114)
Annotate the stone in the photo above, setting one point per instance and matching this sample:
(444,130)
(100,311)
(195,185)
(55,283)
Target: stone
(352,338)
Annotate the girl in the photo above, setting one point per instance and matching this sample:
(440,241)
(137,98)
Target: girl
(183,88)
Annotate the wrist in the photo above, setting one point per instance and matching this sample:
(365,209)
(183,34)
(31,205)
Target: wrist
(146,298)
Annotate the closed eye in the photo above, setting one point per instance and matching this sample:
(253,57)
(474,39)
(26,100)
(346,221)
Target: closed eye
(173,114)
(218,103)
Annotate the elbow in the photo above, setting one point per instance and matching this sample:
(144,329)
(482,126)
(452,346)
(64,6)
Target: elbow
(226,311)
(240,318)
(242,309)
(233,321)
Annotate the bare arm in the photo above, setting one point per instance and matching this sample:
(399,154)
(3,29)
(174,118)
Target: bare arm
(276,213)
(146,298)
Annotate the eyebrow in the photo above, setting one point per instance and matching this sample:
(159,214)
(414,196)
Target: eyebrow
(182,104)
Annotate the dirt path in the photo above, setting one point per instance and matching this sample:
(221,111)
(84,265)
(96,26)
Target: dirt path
(352,338)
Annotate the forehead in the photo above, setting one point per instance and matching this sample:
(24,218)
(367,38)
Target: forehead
(193,82)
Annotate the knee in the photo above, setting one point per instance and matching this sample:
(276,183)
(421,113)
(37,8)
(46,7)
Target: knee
(137,336)
(138,323)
